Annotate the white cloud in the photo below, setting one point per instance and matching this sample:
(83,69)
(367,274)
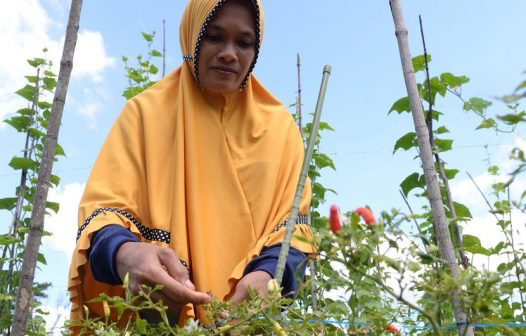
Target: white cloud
(90,56)
(25,29)
(63,225)
(484,224)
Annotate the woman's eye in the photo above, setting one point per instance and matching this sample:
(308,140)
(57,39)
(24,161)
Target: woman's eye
(245,44)
(212,38)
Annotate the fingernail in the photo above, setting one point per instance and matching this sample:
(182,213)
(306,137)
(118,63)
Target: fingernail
(189,284)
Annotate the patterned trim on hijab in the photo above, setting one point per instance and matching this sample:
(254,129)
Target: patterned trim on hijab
(302,219)
(200,36)
(146,232)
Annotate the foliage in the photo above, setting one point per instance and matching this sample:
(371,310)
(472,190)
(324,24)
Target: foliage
(518,94)
(31,122)
(489,297)
(141,76)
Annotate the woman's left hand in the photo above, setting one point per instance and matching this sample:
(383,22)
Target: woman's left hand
(257,280)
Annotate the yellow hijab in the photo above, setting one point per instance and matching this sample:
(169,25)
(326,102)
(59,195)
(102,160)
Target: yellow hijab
(212,178)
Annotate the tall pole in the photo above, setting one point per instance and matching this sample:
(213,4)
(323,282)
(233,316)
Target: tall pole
(25,295)
(282,260)
(426,155)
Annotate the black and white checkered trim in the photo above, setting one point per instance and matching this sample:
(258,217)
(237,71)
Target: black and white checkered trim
(146,232)
(302,219)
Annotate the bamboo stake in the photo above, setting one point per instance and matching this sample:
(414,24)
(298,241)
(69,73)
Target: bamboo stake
(280,268)
(439,217)
(27,276)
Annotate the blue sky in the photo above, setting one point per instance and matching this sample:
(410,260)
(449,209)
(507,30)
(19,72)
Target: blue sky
(481,39)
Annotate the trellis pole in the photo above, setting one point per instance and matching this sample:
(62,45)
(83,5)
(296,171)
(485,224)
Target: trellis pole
(426,156)
(280,268)
(27,276)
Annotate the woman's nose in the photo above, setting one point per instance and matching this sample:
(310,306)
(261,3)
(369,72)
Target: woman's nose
(228,53)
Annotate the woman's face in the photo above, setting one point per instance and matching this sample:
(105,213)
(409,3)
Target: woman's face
(227,49)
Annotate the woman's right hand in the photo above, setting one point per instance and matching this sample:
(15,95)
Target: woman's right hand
(152,265)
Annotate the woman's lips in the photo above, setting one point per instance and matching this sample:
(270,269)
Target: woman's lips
(224,70)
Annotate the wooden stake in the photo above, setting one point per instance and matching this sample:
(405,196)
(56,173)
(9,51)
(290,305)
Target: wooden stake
(24,297)
(426,155)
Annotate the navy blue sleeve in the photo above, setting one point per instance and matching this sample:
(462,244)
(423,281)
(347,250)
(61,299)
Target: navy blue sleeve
(104,246)
(268,260)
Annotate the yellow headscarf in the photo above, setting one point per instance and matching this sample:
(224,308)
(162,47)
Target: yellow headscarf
(212,178)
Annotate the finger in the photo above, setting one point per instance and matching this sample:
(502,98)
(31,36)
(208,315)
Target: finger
(175,268)
(180,293)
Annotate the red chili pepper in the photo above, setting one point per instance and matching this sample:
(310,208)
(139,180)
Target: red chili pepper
(367,215)
(391,328)
(334,219)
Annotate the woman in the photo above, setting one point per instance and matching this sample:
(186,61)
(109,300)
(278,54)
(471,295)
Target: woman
(193,186)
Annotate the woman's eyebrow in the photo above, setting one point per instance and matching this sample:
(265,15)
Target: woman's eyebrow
(219,29)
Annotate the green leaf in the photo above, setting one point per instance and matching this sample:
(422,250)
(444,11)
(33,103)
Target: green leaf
(401,105)
(147,37)
(323,126)
(54,206)
(153,69)
(521,86)
(322,161)
(19,123)
(441,130)
(44,105)
(141,326)
(59,150)
(436,87)
(22,163)
(406,142)
(27,92)
(487,123)
(411,182)
(36,133)
(472,244)
(49,74)
(8,203)
(451,173)
(419,62)
(513,119)
(462,211)
(476,104)
(7,239)
(443,144)
(504,267)
(513,98)
(41,259)
(155,53)
(36,62)
(32,79)
(26,112)
(49,83)
(453,81)
(54,179)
